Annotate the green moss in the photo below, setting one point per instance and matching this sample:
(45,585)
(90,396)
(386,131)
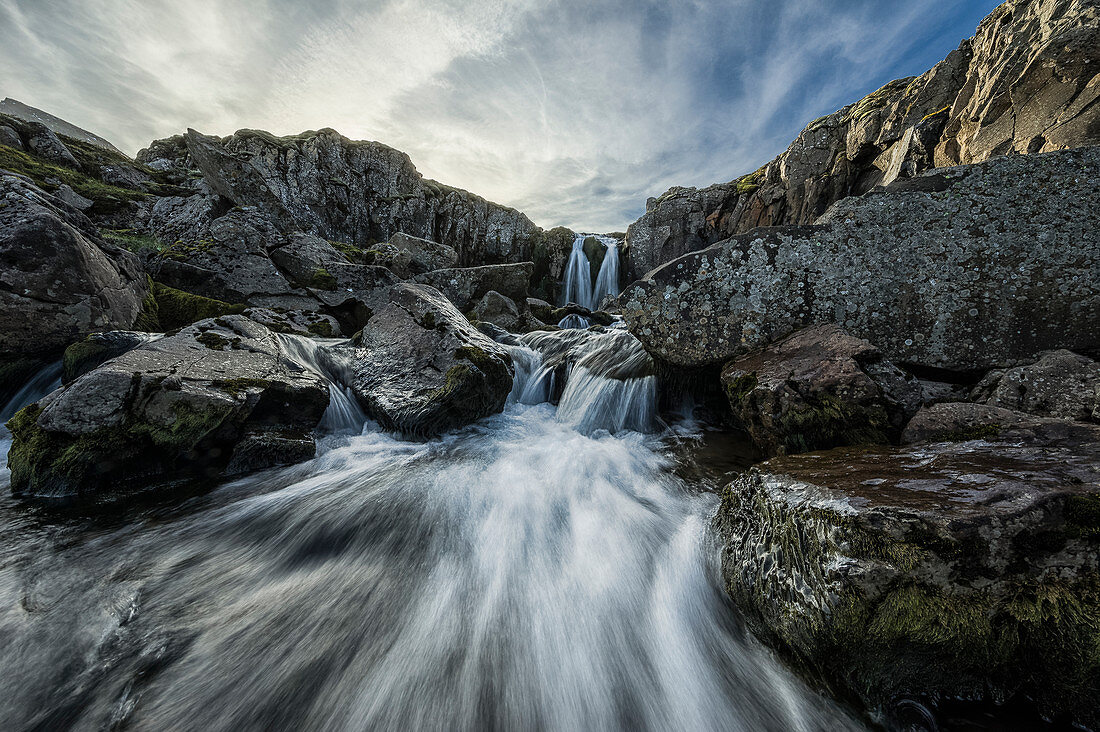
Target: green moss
(482,359)
(213,341)
(1082,514)
(739,388)
(747,184)
(453,380)
(176,309)
(977,432)
(131,239)
(321,328)
(236,387)
(322,280)
(828,422)
(182,251)
(428,320)
(352,253)
(47,176)
(79,356)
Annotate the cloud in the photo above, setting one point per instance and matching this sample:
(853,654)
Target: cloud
(573,111)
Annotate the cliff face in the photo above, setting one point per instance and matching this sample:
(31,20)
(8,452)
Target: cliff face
(1028,81)
(354,192)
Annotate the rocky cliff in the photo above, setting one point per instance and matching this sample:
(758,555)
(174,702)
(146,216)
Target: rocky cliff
(1028,81)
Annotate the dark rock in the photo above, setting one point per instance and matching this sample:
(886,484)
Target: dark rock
(10,137)
(951,571)
(72,198)
(420,367)
(1060,384)
(898,269)
(296,322)
(595,317)
(541,310)
(86,355)
(816,389)
(465,286)
(962,421)
(58,280)
(424,255)
(1023,84)
(42,141)
(497,309)
(168,412)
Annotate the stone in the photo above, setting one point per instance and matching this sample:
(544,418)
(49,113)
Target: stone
(497,309)
(72,198)
(86,355)
(171,411)
(963,421)
(465,286)
(541,309)
(936,572)
(58,280)
(295,322)
(42,142)
(425,255)
(1060,384)
(418,366)
(1026,82)
(898,268)
(10,137)
(818,388)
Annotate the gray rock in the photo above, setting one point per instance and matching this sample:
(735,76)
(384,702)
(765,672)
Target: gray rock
(1060,384)
(10,137)
(497,309)
(1024,83)
(425,255)
(898,268)
(168,412)
(58,280)
(420,367)
(950,571)
(296,322)
(818,388)
(962,421)
(465,286)
(86,355)
(42,141)
(540,309)
(72,198)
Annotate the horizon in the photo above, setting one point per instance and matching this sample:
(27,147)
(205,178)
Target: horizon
(563,112)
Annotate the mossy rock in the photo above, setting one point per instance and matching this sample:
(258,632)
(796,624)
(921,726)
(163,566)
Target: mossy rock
(168,309)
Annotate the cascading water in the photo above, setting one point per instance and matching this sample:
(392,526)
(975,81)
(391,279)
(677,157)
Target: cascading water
(542,569)
(576,286)
(607,281)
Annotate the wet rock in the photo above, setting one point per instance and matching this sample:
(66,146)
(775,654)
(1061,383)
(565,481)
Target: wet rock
(420,367)
(962,421)
(86,355)
(1060,384)
(957,570)
(58,280)
(541,309)
(1024,83)
(497,309)
(72,198)
(296,322)
(897,268)
(168,412)
(465,286)
(594,317)
(816,389)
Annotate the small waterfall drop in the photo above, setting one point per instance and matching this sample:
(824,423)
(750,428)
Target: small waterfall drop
(577,286)
(577,281)
(343,415)
(607,281)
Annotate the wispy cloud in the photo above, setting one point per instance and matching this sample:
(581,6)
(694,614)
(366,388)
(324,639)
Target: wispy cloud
(573,111)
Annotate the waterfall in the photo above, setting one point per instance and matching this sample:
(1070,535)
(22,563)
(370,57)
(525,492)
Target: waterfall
(607,281)
(343,415)
(577,281)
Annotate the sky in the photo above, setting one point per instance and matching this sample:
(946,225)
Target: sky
(573,111)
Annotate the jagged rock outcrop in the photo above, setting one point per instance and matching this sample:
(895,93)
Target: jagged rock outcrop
(1060,384)
(58,280)
(818,388)
(1028,81)
(220,397)
(418,366)
(949,571)
(965,269)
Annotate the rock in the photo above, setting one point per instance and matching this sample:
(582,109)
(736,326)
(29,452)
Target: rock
(962,421)
(816,389)
(1024,83)
(897,268)
(17,109)
(10,137)
(1060,384)
(425,255)
(169,412)
(497,309)
(42,141)
(326,273)
(418,366)
(86,355)
(296,322)
(541,309)
(72,198)
(58,280)
(594,317)
(465,286)
(936,572)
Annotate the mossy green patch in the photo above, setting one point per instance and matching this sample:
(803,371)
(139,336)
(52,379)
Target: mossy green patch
(131,239)
(176,309)
(321,329)
(738,388)
(182,251)
(1082,514)
(81,357)
(828,421)
(238,386)
(213,341)
(321,279)
(977,432)
(47,176)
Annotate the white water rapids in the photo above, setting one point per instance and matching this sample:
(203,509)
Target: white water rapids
(542,569)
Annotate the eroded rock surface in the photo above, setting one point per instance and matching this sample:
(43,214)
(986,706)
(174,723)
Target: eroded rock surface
(1060,384)
(969,268)
(465,286)
(961,421)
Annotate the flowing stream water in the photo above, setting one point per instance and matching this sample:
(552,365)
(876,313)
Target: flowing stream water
(545,568)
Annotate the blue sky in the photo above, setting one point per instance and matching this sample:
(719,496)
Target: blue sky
(572,111)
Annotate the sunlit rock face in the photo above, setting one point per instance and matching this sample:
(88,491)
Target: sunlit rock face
(1025,83)
(964,269)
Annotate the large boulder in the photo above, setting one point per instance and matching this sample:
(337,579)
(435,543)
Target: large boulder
(939,572)
(962,421)
(818,388)
(465,286)
(1026,82)
(1060,384)
(220,397)
(424,255)
(418,366)
(970,268)
(58,280)
(497,309)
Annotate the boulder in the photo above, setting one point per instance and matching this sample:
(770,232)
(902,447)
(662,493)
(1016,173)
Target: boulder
(465,286)
(171,411)
(497,309)
(900,268)
(10,137)
(540,309)
(418,366)
(424,255)
(58,280)
(939,572)
(86,355)
(962,421)
(1025,83)
(295,322)
(42,141)
(818,388)
(1060,384)
(73,199)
